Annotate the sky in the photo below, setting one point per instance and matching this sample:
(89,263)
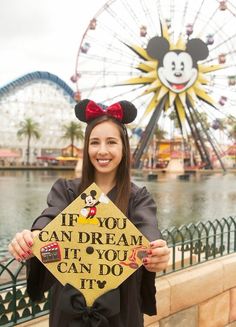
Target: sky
(42,35)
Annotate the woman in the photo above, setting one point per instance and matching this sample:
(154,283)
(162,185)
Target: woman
(106,161)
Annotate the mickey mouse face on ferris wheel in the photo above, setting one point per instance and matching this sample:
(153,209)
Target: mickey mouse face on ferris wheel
(177,69)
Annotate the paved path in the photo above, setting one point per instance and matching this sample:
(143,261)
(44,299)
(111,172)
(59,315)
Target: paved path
(39,322)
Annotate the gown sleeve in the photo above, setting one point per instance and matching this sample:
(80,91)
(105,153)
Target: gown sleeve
(143,213)
(57,200)
(39,279)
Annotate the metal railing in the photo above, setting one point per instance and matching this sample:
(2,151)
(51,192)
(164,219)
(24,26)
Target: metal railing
(193,244)
(190,245)
(15,305)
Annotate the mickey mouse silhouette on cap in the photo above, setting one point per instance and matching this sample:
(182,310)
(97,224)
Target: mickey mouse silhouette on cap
(123,111)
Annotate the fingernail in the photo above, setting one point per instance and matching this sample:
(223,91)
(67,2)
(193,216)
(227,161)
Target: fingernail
(145,261)
(152,244)
(30,243)
(29,252)
(149,251)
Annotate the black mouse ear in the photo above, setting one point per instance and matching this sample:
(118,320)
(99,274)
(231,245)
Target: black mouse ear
(80,110)
(197,49)
(129,112)
(83,196)
(157,47)
(93,193)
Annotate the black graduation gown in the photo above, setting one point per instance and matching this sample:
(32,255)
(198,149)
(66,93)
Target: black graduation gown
(137,292)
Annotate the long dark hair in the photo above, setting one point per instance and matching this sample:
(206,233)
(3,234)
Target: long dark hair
(123,183)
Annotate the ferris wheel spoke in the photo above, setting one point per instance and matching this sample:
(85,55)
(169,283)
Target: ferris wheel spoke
(105,60)
(93,72)
(183,19)
(124,93)
(109,60)
(123,24)
(117,63)
(231,9)
(132,13)
(208,21)
(197,13)
(114,36)
(224,41)
(221,27)
(172,9)
(115,48)
(148,18)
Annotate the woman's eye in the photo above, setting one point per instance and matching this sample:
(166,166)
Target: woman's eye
(111,142)
(93,143)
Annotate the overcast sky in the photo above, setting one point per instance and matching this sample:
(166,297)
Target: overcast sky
(42,35)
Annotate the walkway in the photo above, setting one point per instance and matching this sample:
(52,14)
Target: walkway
(39,322)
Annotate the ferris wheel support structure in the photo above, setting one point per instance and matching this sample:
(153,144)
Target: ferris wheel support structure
(210,140)
(145,51)
(198,140)
(147,134)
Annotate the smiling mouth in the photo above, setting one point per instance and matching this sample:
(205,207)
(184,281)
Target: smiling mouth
(177,86)
(103,162)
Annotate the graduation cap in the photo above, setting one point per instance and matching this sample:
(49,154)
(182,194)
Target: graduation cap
(91,247)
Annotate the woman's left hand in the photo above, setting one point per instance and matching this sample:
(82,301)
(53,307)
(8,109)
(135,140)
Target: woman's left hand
(158,256)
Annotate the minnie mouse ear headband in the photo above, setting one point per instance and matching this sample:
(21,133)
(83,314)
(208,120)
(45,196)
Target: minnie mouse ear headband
(123,111)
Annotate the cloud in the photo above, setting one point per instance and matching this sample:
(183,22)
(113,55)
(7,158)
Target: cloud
(42,35)
(28,18)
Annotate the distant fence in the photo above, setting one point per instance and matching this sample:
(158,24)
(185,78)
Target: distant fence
(197,243)
(190,245)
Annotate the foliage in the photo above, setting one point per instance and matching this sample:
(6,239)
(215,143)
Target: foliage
(160,133)
(73,131)
(28,129)
(232,132)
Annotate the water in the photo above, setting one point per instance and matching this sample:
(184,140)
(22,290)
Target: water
(202,197)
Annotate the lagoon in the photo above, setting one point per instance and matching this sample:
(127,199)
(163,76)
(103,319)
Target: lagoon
(205,196)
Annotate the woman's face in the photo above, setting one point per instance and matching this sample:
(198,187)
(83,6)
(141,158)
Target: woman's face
(105,148)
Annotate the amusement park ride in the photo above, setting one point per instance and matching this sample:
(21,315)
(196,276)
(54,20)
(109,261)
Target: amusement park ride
(165,56)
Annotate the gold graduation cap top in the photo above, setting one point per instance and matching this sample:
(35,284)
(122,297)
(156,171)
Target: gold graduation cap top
(91,245)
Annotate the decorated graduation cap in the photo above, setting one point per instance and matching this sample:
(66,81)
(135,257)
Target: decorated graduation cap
(123,111)
(91,247)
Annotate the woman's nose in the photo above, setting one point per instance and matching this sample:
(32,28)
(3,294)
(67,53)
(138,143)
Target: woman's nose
(102,148)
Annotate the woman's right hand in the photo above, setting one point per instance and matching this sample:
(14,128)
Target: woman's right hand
(20,246)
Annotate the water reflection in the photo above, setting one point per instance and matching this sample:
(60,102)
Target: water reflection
(202,197)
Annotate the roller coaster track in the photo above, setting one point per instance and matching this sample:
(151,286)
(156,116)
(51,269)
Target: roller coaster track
(34,77)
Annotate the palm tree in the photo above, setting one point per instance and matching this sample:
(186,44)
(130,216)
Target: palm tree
(73,131)
(160,133)
(232,133)
(173,117)
(29,129)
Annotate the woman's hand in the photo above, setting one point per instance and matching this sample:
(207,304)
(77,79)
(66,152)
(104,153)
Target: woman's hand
(158,256)
(20,246)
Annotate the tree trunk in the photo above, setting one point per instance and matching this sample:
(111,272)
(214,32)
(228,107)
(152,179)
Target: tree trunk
(72,147)
(28,150)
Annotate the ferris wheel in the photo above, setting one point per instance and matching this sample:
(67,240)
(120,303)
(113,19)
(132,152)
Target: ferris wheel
(172,56)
